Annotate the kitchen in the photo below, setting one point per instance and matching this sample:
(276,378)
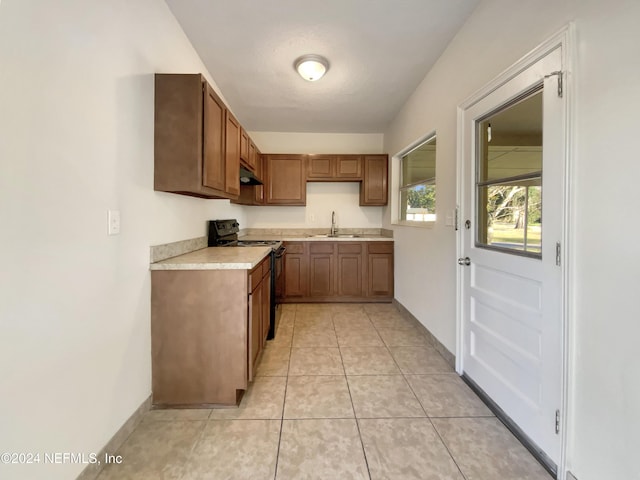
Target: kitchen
(77,123)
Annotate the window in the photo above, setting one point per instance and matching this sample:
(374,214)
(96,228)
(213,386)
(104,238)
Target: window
(509,178)
(418,183)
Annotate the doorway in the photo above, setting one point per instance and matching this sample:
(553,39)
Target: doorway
(512,224)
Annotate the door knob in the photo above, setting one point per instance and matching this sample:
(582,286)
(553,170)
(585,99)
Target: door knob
(464,261)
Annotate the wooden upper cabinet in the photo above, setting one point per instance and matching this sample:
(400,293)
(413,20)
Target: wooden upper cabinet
(213,150)
(253,156)
(232,155)
(244,145)
(189,137)
(373,190)
(258,190)
(334,168)
(321,167)
(349,167)
(285,179)
(198,143)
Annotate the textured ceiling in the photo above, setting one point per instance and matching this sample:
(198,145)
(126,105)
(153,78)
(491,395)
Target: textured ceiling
(378,50)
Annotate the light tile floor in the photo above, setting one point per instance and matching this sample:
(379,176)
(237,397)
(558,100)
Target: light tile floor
(345,391)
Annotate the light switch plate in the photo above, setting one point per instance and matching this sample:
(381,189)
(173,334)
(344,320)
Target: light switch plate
(450,219)
(113,222)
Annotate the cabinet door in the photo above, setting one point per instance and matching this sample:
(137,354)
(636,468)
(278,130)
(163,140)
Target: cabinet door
(380,270)
(286,180)
(213,138)
(321,269)
(373,190)
(320,275)
(255,328)
(258,190)
(252,156)
(349,167)
(244,145)
(232,155)
(266,307)
(321,167)
(295,270)
(350,270)
(188,137)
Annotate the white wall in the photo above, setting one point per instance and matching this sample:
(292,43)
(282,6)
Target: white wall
(76,139)
(322,198)
(605,391)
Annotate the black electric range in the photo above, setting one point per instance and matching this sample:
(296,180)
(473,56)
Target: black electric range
(224,233)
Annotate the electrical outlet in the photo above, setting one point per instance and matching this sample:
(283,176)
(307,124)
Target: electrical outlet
(113,222)
(312,218)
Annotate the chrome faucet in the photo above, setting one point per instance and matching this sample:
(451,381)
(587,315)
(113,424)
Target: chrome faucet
(334,230)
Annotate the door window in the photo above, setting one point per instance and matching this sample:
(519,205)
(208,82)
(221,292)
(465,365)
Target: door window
(509,177)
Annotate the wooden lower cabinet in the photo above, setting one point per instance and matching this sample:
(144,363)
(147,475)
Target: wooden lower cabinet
(255,328)
(266,307)
(350,270)
(207,333)
(296,268)
(323,271)
(259,286)
(380,270)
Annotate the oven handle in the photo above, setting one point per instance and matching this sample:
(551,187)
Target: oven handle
(280,252)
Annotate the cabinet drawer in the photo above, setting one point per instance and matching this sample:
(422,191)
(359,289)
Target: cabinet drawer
(297,247)
(259,271)
(266,266)
(321,247)
(380,247)
(349,248)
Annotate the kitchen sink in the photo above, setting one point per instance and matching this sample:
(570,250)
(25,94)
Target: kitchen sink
(326,235)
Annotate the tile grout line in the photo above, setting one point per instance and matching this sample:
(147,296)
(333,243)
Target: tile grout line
(355,417)
(447,448)
(186,463)
(284,400)
(404,375)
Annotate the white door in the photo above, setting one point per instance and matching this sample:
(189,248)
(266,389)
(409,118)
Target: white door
(511,227)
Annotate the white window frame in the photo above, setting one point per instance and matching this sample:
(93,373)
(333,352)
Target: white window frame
(397,184)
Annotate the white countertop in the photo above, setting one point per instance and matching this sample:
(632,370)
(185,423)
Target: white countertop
(215,258)
(313,238)
(245,258)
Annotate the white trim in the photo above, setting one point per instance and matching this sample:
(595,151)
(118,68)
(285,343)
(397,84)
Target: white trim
(565,39)
(396,182)
(409,223)
(415,144)
(569,45)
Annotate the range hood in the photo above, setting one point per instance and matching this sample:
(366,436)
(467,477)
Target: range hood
(248,178)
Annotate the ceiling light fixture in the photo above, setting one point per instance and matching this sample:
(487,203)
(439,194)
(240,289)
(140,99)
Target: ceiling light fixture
(311,67)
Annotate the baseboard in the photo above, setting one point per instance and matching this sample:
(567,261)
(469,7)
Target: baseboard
(449,357)
(570,476)
(112,446)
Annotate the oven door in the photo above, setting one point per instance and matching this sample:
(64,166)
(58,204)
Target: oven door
(278,273)
(277,279)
